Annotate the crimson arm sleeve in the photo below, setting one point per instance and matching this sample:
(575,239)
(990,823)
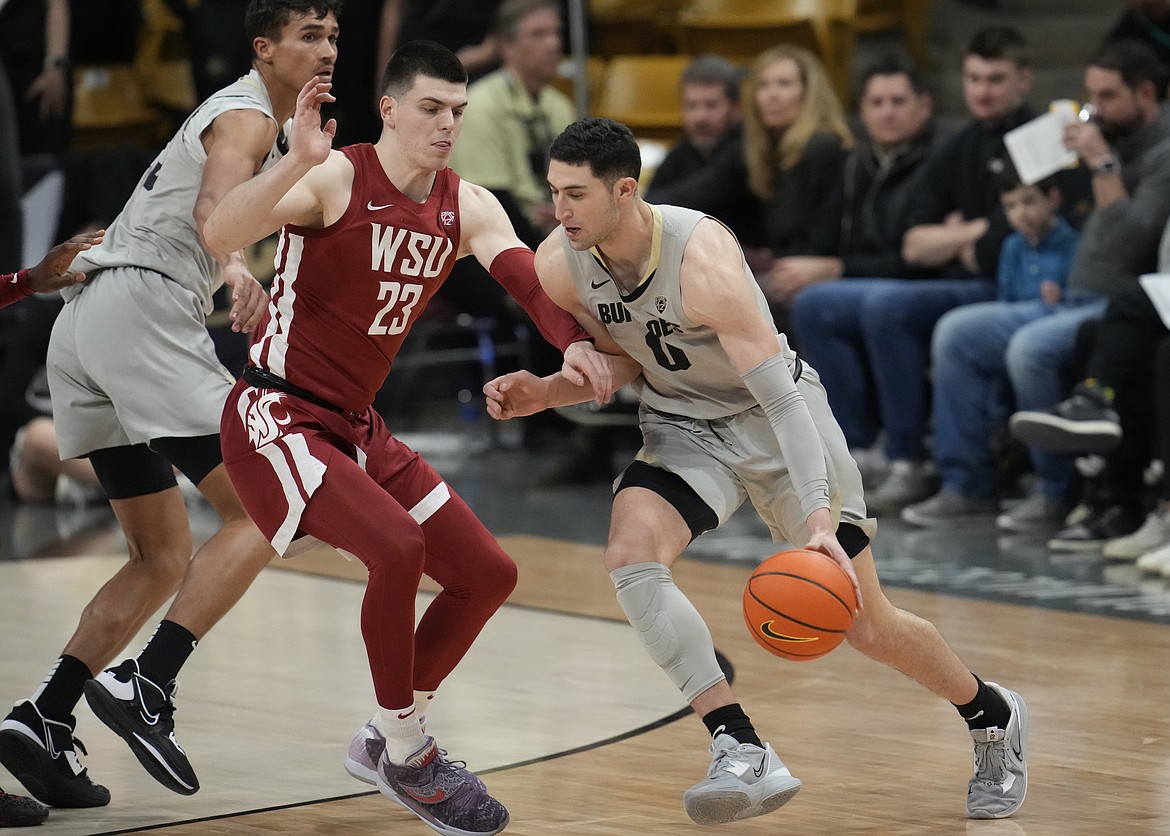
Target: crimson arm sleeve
(514,270)
(14,287)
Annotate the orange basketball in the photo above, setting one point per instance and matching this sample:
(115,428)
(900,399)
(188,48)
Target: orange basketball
(799,604)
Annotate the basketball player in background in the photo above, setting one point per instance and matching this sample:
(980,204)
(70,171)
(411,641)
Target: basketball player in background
(51,273)
(368,233)
(728,413)
(137,388)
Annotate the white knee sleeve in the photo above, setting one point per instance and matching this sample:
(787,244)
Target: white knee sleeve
(673,632)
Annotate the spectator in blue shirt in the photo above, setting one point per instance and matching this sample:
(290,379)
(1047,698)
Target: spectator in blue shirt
(1037,256)
(973,392)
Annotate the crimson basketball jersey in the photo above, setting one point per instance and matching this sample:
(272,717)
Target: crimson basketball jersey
(344,297)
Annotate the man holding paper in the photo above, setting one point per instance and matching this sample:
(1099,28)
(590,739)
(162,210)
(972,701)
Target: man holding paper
(1126,146)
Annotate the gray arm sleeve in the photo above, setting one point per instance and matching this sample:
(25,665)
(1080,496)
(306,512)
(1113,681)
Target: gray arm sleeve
(772,385)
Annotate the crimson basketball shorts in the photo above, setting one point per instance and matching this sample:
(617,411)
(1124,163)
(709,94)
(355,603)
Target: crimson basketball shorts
(277,448)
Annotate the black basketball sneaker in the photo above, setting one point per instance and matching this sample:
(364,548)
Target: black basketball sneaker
(141,713)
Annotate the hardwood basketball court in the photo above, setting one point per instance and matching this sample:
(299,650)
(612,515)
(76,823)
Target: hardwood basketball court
(576,731)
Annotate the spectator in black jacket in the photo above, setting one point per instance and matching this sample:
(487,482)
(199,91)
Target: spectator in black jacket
(879,329)
(882,178)
(712,145)
(880,183)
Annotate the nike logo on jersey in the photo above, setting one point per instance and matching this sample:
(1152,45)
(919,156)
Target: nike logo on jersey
(374,208)
(597,285)
(14,279)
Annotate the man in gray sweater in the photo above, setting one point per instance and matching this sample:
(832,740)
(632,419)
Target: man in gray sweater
(1126,147)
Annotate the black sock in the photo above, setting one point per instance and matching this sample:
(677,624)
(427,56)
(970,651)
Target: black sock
(730,719)
(62,689)
(987,710)
(166,652)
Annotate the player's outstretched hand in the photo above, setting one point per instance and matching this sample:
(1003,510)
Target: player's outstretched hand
(309,140)
(53,273)
(515,395)
(823,539)
(583,361)
(249,300)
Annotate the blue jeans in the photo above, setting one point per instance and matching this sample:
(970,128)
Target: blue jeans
(988,357)
(869,340)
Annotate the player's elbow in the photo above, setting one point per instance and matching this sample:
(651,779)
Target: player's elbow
(217,236)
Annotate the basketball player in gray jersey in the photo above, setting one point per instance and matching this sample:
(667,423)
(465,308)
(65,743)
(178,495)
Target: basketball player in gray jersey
(156,229)
(137,388)
(728,413)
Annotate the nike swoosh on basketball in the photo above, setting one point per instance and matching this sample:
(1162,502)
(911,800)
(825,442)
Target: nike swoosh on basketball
(766,629)
(374,208)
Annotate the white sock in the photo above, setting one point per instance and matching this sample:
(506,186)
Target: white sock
(422,701)
(403,732)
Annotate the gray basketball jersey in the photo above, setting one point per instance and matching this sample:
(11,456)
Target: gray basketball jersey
(685,370)
(156,228)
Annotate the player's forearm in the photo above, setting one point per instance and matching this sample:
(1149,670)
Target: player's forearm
(772,385)
(14,287)
(242,216)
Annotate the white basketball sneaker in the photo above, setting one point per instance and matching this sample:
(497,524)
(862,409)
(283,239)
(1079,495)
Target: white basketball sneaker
(999,784)
(743,781)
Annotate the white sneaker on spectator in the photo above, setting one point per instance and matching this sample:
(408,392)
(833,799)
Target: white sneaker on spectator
(1154,533)
(1156,561)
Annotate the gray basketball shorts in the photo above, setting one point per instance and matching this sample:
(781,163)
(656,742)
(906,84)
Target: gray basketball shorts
(130,360)
(728,460)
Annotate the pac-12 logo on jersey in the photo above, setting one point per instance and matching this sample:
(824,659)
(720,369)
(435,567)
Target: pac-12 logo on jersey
(263,426)
(407,252)
(446,217)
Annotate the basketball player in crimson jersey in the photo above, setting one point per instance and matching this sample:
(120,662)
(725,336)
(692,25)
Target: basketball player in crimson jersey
(367,235)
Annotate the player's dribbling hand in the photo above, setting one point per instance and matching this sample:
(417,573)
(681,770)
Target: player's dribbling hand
(515,395)
(584,362)
(309,140)
(52,273)
(823,540)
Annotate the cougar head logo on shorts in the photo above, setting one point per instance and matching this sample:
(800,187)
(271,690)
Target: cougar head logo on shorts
(263,426)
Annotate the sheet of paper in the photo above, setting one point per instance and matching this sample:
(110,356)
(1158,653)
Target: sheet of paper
(1157,287)
(1037,149)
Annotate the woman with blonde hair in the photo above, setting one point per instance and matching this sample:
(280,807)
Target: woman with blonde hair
(795,139)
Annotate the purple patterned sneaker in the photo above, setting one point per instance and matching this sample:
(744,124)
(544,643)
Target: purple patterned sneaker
(441,792)
(20,811)
(361,761)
